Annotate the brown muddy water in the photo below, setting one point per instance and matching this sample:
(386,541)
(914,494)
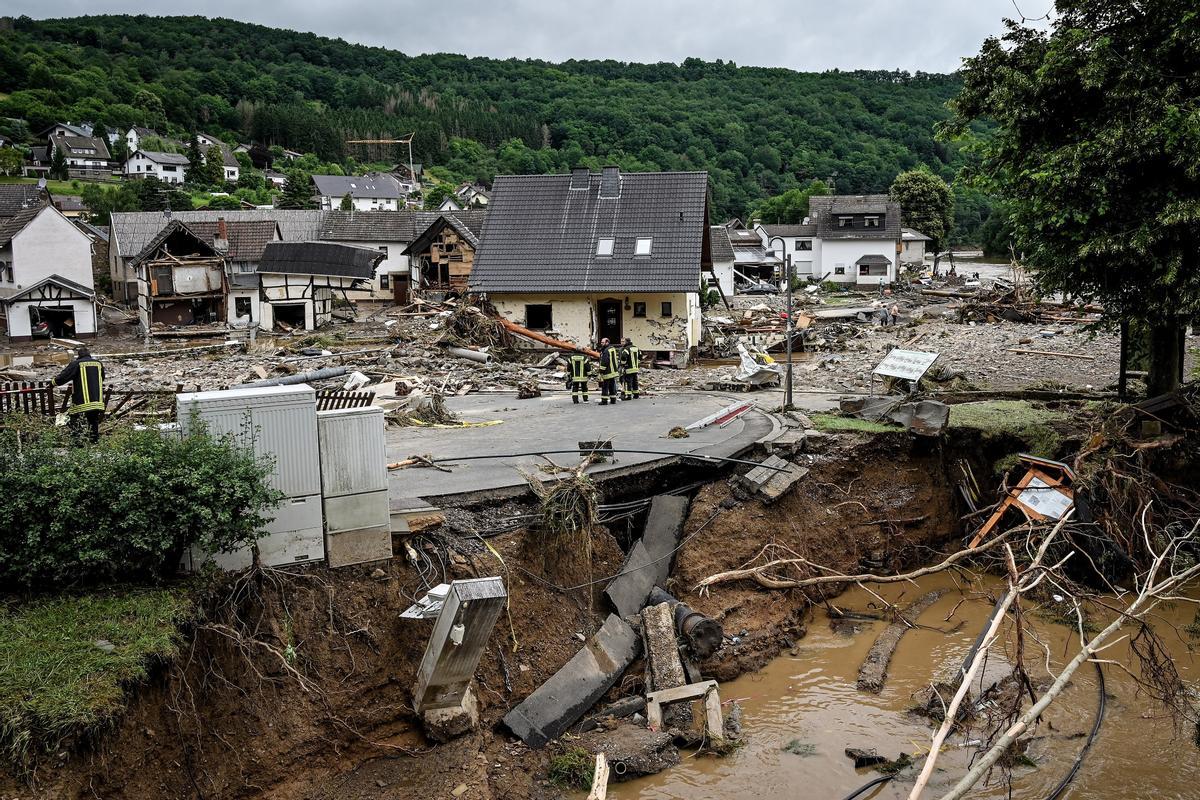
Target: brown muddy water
(808,697)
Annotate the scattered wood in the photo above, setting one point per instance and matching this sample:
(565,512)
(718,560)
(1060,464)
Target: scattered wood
(1048,353)
(599,779)
(873,672)
(520,330)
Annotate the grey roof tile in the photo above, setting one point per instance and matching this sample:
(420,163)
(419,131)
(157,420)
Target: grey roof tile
(16,197)
(722,250)
(383,187)
(824,210)
(131,231)
(540,234)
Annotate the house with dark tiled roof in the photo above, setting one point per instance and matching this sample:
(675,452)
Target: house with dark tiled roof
(167,167)
(15,197)
(46,283)
(212,147)
(722,271)
(592,255)
(299,280)
(857,238)
(81,152)
(376,191)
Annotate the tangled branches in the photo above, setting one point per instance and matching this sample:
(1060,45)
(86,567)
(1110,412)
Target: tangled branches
(568,509)
(469,326)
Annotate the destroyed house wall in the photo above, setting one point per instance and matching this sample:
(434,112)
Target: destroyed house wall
(574,317)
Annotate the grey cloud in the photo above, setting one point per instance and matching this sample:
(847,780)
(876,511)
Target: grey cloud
(929,35)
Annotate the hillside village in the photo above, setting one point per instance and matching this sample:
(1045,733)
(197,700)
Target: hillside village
(553,446)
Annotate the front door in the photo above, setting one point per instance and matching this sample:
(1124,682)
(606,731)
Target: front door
(608,320)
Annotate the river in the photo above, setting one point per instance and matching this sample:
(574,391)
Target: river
(808,698)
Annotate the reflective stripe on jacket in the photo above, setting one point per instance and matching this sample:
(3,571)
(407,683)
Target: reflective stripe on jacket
(631,356)
(88,388)
(610,365)
(579,368)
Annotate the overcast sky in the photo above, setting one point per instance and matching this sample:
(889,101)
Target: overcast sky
(929,35)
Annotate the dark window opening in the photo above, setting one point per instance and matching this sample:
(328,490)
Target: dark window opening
(639,309)
(241,306)
(839,270)
(539,317)
(803,244)
(290,314)
(666,308)
(873,269)
(383,281)
(872,222)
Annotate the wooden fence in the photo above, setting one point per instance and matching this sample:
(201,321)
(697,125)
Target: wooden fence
(27,397)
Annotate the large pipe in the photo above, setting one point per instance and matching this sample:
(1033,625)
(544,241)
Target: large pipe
(702,633)
(300,377)
(471,355)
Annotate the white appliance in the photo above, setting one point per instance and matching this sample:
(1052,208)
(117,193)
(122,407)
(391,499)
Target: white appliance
(278,423)
(354,482)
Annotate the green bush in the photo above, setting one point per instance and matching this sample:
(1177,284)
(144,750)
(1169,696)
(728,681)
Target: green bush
(124,509)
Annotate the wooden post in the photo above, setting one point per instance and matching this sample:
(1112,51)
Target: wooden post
(599,779)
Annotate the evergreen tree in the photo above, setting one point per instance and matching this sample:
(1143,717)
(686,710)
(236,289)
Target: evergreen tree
(297,192)
(214,166)
(58,164)
(347,202)
(195,174)
(926,206)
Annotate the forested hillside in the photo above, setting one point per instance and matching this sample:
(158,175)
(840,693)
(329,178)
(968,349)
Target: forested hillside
(757,131)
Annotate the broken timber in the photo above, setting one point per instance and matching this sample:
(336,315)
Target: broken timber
(559,702)
(772,479)
(873,671)
(713,722)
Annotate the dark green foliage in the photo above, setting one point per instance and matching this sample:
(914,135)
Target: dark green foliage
(224,203)
(926,205)
(58,165)
(790,207)
(195,175)
(124,509)
(101,202)
(347,203)
(758,132)
(434,195)
(297,192)
(1096,148)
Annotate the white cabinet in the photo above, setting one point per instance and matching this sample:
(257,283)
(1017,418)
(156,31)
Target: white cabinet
(355,485)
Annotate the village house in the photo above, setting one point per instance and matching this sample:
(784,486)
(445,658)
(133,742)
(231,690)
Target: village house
(46,286)
(914,244)
(131,231)
(135,135)
(230,167)
(857,238)
(721,272)
(756,269)
(374,192)
(167,167)
(443,253)
(83,154)
(299,281)
(472,194)
(450,203)
(797,241)
(593,255)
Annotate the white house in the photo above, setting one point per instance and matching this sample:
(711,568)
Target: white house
(722,259)
(450,204)
(231,169)
(299,280)
(167,167)
(470,194)
(913,251)
(135,135)
(798,241)
(591,255)
(45,276)
(377,191)
(859,238)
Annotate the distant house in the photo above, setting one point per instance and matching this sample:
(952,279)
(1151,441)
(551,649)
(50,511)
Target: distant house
(231,169)
(299,280)
(85,153)
(38,165)
(276,179)
(45,276)
(63,129)
(857,238)
(914,244)
(472,194)
(591,255)
(755,267)
(377,191)
(135,135)
(450,203)
(167,167)
(796,241)
(71,206)
(722,259)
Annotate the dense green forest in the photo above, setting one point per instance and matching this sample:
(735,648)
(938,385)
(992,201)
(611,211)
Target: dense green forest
(758,132)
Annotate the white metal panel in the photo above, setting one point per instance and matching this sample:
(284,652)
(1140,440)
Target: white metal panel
(353,458)
(351,512)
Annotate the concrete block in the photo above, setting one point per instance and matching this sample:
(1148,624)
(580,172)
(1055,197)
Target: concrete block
(559,703)
(444,724)
(649,560)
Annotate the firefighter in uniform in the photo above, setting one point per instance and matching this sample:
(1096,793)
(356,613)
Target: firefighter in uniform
(610,368)
(630,357)
(579,368)
(86,376)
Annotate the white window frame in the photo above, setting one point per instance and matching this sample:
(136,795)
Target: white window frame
(644,246)
(605,246)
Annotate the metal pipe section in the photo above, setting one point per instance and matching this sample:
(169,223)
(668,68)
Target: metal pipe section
(300,377)
(470,355)
(702,633)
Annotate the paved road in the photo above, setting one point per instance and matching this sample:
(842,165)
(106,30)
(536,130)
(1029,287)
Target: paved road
(552,422)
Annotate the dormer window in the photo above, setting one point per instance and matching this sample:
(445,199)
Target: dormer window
(872,222)
(843,222)
(604,247)
(642,248)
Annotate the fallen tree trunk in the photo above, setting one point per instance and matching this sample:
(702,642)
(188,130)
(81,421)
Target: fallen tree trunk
(873,671)
(520,330)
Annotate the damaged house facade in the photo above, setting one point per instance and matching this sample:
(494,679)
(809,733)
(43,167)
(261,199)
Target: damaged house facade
(593,255)
(46,286)
(299,280)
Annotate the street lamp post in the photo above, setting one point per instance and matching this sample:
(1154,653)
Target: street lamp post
(787,261)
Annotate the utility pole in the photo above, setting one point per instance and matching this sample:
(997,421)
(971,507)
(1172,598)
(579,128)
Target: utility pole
(789,326)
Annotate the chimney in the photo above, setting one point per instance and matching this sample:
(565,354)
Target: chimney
(221,240)
(580,177)
(610,182)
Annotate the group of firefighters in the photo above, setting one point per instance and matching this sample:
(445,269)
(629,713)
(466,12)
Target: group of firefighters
(616,363)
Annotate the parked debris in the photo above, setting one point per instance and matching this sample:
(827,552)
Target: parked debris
(714,722)
(864,758)
(1043,493)
(527,390)
(558,703)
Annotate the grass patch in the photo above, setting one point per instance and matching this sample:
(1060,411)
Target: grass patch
(573,769)
(1033,425)
(57,684)
(62,187)
(836,423)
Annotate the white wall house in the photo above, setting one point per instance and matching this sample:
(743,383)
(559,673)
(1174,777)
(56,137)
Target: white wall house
(46,275)
(914,244)
(855,239)
(81,152)
(375,192)
(167,167)
(798,241)
(299,281)
(722,259)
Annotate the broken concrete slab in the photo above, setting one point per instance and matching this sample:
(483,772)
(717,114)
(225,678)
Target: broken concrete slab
(632,751)
(714,722)
(771,481)
(559,702)
(649,561)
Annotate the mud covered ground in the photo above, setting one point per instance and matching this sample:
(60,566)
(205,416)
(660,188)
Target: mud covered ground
(236,717)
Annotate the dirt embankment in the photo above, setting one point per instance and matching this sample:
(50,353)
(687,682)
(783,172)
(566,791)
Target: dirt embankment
(232,719)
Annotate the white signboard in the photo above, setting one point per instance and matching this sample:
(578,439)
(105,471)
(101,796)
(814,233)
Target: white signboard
(1043,498)
(907,364)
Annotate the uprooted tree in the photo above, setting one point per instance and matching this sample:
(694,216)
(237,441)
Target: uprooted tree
(1098,126)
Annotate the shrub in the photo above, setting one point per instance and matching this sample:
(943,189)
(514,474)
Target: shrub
(124,509)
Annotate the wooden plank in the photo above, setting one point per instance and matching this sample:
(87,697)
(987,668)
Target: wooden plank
(599,779)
